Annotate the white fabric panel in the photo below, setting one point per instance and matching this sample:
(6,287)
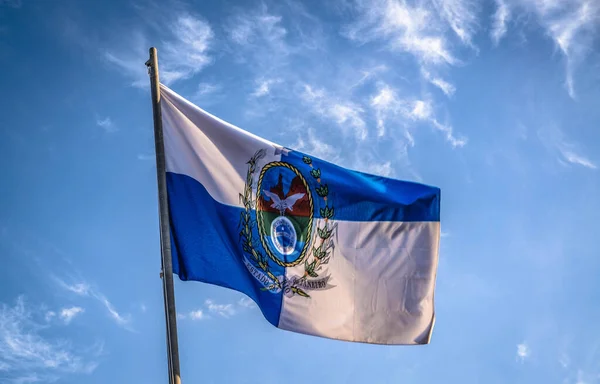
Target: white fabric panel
(383,275)
(208,149)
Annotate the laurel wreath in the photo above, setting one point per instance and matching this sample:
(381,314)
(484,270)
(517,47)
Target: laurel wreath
(321,254)
(246,222)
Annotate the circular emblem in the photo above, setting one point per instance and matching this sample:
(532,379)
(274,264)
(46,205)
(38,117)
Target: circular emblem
(284,213)
(283,235)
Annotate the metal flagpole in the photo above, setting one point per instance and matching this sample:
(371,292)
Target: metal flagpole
(165,236)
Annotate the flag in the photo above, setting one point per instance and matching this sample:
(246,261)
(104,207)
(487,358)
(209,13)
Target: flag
(321,249)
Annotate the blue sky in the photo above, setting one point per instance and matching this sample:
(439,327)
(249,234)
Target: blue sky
(495,102)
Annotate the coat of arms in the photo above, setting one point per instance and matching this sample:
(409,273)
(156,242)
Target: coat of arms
(279,227)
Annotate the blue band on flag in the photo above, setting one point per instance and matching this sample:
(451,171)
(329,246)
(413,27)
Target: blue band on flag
(206,245)
(358,196)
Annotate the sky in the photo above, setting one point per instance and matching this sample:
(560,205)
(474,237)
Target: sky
(495,102)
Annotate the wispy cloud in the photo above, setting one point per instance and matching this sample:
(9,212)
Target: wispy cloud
(388,105)
(184,52)
(246,303)
(523,352)
(309,143)
(564,361)
(145,157)
(207,89)
(27,353)
(81,289)
(107,125)
(577,159)
(385,102)
(197,315)
(187,53)
(259,39)
(84,289)
(384,169)
(122,320)
(406,28)
(264,86)
(572,25)
(448,131)
(194,315)
(566,151)
(461,16)
(49,316)
(224,310)
(68,314)
(343,112)
(370,73)
(442,84)
(500,19)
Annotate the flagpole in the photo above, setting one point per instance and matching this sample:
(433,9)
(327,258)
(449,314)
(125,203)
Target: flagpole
(165,235)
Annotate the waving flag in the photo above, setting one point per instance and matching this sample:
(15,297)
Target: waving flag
(321,249)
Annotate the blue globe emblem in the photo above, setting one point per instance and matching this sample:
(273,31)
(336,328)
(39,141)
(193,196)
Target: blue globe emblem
(283,235)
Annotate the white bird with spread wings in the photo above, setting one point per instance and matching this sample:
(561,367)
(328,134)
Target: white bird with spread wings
(287,203)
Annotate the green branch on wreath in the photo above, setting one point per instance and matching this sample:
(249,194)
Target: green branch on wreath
(246,223)
(320,253)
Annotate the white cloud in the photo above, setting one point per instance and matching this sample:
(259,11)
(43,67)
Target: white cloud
(388,105)
(369,73)
(84,289)
(461,15)
(500,19)
(577,159)
(27,353)
(259,40)
(197,315)
(309,143)
(49,315)
(81,289)
(183,53)
(145,157)
(415,30)
(554,140)
(264,86)
(143,308)
(224,310)
(107,125)
(67,314)
(564,361)
(187,54)
(207,89)
(455,142)
(385,102)
(120,319)
(523,352)
(246,303)
(253,29)
(445,86)
(442,84)
(345,113)
(421,110)
(384,169)
(572,25)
